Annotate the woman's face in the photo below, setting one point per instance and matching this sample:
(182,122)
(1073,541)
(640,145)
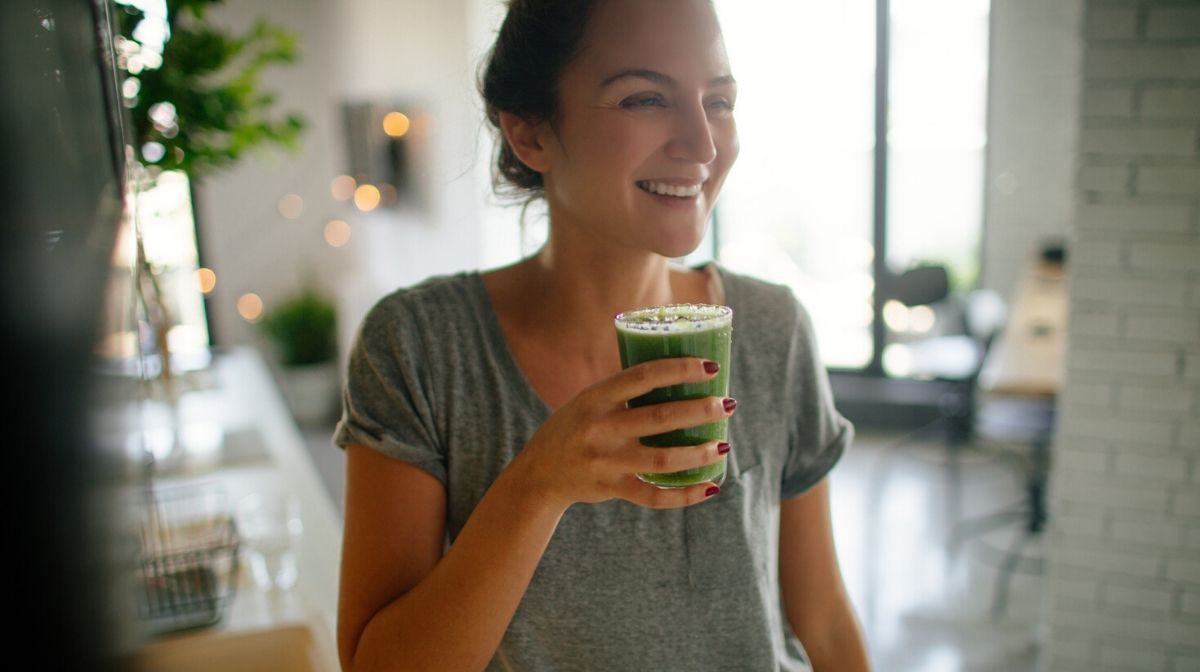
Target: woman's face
(645,134)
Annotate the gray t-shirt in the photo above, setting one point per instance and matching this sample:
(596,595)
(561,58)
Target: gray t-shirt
(432,382)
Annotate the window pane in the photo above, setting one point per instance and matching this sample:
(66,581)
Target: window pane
(797,208)
(168,231)
(937,134)
(936,141)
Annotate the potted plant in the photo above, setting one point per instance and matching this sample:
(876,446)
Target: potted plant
(303,329)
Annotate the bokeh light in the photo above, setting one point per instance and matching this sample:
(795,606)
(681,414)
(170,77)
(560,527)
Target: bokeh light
(250,307)
(366,197)
(153,151)
(337,233)
(396,124)
(922,319)
(291,205)
(342,187)
(207,279)
(896,315)
(898,360)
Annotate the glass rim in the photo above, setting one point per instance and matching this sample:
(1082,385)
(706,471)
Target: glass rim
(710,316)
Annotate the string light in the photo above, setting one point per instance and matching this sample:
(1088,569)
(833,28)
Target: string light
(207,279)
(290,206)
(342,187)
(337,233)
(366,197)
(396,124)
(250,307)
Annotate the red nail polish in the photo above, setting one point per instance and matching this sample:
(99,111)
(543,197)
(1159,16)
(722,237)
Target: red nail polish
(730,403)
(711,367)
(722,448)
(712,490)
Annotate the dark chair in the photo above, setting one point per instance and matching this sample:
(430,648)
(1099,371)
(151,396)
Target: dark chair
(953,355)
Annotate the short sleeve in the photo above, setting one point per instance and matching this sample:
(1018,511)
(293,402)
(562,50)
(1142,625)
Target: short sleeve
(386,402)
(818,433)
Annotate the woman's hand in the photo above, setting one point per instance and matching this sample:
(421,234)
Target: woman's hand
(588,451)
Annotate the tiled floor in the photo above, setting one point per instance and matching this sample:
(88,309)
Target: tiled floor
(923,608)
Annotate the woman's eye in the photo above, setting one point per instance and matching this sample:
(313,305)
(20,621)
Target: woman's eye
(635,102)
(722,104)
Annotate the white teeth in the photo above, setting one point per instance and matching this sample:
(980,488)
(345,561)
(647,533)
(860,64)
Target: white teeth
(670,190)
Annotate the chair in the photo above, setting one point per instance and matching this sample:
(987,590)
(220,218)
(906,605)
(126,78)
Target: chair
(954,356)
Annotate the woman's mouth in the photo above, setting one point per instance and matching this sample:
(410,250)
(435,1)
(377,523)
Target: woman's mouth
(664,189)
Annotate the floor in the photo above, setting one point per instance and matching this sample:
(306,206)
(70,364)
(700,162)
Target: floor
(923,606)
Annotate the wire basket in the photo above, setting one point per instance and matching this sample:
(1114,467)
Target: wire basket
(189,558)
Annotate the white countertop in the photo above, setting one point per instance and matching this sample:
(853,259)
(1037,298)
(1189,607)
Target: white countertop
(233,431)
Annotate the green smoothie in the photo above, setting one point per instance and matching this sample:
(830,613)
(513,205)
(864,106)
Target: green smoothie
(680,330)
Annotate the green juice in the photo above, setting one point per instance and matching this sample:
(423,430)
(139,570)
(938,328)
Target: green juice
(680,330)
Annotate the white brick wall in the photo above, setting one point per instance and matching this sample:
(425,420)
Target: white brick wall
(1124,574)
(1141,62)
(1122,215)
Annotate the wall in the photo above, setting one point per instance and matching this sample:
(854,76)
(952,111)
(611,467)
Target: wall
(414,53)
(1032,129)
(1124,574)
(243,238)
(419,52)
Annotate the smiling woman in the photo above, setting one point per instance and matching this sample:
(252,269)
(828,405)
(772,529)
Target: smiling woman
(652,106)
(490,410)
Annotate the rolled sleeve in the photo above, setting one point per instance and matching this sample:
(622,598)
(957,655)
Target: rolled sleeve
(386,402)
(820,435)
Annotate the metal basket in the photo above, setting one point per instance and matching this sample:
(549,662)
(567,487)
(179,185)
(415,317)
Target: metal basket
(189,558)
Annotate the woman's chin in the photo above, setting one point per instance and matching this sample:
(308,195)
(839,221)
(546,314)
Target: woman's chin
(681,247)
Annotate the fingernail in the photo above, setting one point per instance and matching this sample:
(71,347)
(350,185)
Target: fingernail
(711,367)
(722,448)
(730,403)
(712,490)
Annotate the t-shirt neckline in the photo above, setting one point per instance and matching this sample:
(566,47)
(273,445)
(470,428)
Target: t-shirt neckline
(502,352)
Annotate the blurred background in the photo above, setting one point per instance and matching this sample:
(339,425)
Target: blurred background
(990,207)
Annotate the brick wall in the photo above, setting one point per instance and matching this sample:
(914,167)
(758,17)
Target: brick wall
(1124,576)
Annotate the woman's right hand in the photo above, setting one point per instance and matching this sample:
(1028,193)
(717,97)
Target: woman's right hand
(588,450)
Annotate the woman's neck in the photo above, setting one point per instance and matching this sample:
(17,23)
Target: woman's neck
(569,292)
(579,285)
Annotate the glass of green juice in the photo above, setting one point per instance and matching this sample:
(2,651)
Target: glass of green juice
(680,330)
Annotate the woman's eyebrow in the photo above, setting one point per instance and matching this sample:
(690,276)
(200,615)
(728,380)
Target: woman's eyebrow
(659,78)
(642,73)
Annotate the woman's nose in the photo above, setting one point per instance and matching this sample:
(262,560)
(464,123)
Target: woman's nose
(693,139)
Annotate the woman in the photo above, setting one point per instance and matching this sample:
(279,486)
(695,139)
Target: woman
(488,410)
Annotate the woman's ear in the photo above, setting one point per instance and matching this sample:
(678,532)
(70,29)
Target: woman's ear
(527,140)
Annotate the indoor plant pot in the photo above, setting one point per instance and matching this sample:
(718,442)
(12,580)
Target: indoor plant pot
(303,328)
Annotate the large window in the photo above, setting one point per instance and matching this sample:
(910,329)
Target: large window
(814,193)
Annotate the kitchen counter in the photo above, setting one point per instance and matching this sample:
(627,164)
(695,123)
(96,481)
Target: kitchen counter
(229,429)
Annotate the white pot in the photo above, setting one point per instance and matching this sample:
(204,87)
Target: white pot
(312,392)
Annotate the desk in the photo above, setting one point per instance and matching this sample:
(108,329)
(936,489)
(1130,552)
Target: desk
(1027,358)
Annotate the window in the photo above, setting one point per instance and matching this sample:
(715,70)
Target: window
(800,207)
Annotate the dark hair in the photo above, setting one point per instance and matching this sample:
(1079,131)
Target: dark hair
(536,42)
